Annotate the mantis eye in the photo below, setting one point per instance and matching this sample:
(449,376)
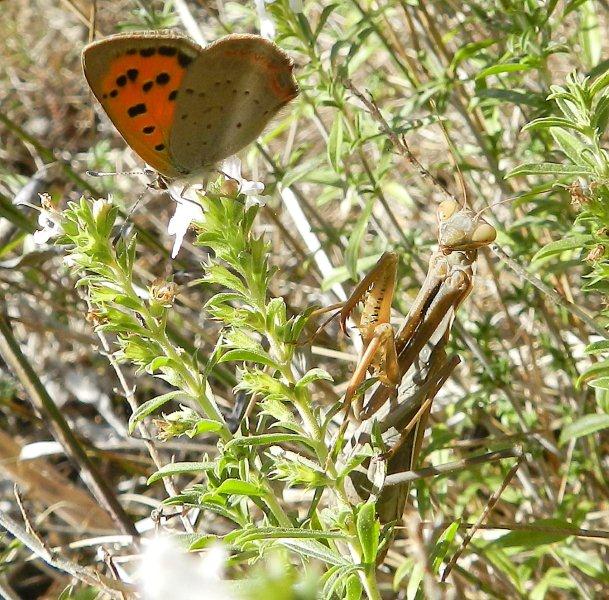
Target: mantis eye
(447,209)
(484,234)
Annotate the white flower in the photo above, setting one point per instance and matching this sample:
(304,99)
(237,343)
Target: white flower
(167,571)
(267,26)
(49,220)
(187,210)
(231,167)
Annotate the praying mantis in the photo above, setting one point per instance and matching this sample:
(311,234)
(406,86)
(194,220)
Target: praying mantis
(413,364)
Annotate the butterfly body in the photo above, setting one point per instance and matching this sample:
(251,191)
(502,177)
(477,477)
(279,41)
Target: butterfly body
(184,108)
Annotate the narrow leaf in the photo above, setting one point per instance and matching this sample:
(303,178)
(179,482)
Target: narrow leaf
(548,169)
(315,549)
(267,439)
(238,487)
(355,240)
(150,406)
(368,529)
(585,425)
(249,356)
(180,468)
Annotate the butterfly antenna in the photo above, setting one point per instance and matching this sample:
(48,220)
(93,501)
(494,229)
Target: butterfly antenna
(453,154)
(115,173)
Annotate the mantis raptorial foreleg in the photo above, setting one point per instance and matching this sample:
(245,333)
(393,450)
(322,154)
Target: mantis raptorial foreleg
(448,282)
(400,414)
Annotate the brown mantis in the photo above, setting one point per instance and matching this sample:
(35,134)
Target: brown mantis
(411,365)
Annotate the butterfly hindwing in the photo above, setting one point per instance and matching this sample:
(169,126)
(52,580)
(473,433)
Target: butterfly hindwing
(228,95)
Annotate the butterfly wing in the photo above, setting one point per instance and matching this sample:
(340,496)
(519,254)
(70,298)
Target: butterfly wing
(136,78)
(227,96)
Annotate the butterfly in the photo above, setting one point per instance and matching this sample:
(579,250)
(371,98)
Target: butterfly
(184,108)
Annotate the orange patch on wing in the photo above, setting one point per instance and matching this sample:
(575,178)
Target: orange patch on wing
(280,75)
(139,93)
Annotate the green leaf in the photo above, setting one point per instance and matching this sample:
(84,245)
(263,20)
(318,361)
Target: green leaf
(368,529)
(150,406)
(590,564)
(547,122)
(598,369)
(268,439)
(548,169)
(340,274)
(512,96)
(601,383)
(223,277)
(443,544)
(311,376)
(158,363)
(249,356)
(355,240)
(469,50)
(596,347)
(202,542)
(569,144)
(590,34)
(354,588)
(315,549)
(416,576)
(601,82)
(583,426)
(179,468)
(576,242)
(554,577)
(405,569)
(262,533)
(240,488)
(325,13)
(335,143)
(503,68)
(204,426)
(531,538)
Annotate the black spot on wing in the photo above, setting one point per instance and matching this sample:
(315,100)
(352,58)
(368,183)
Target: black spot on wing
(137,109)
(183,59)
(168,51)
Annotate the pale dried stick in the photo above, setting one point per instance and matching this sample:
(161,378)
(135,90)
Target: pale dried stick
(114,589)
(143,429)
(487,509)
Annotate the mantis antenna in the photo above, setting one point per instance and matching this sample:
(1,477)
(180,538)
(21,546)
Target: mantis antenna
(453,154)
(504,201)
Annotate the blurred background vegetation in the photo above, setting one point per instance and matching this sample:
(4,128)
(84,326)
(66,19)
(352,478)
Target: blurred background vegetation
(521,88)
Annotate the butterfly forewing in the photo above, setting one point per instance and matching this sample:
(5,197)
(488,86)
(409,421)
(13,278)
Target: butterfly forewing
(227,96)
(137,80)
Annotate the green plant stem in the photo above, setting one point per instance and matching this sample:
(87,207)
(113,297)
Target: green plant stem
(368,579)
(188,372)
(276,509)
